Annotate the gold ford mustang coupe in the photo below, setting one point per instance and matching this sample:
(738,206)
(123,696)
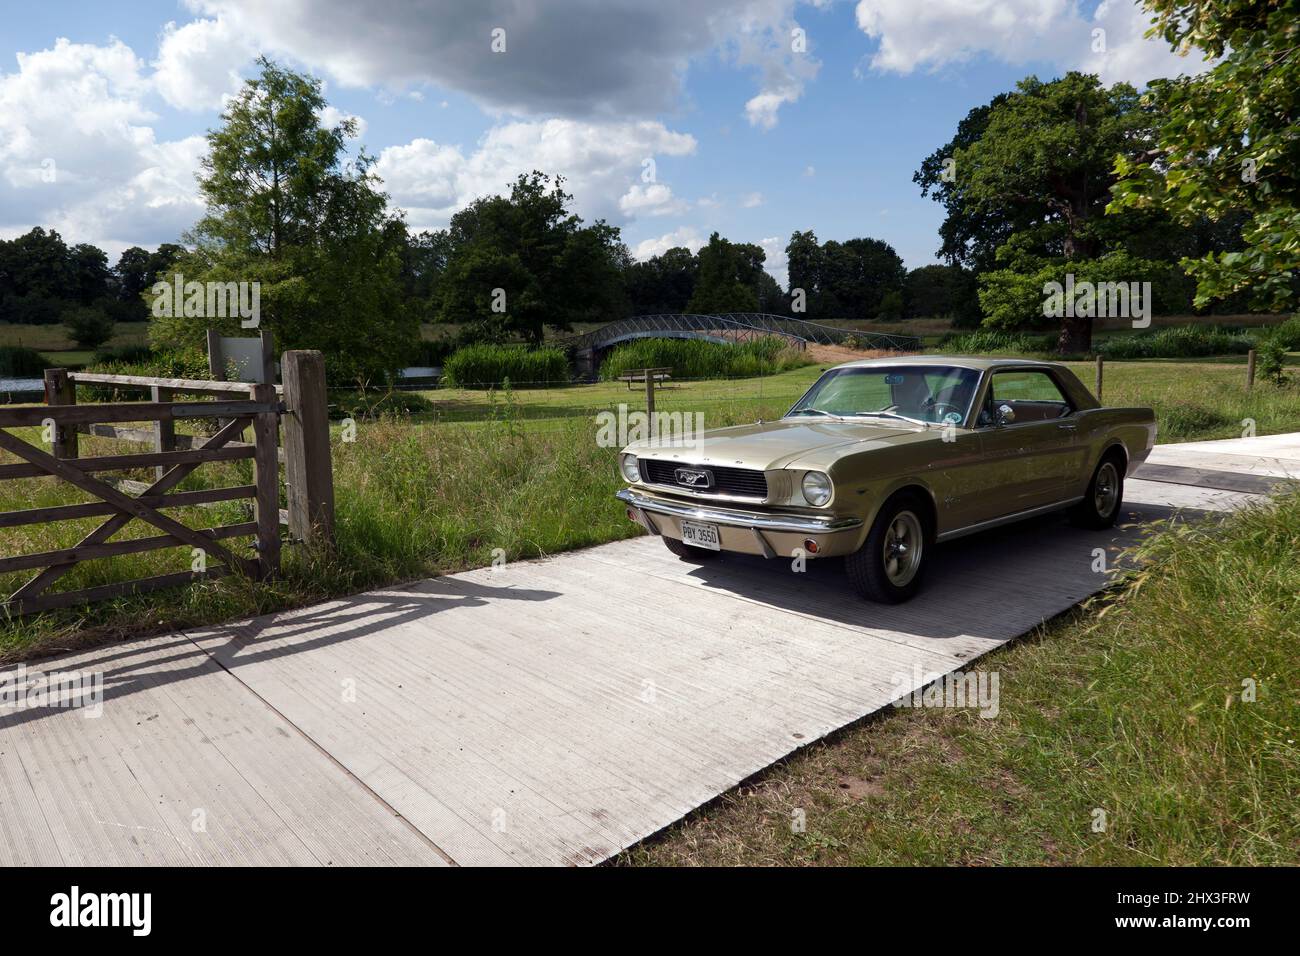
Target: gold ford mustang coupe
(882,459)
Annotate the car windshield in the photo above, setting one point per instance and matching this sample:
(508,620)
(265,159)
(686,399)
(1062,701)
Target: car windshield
(922,393)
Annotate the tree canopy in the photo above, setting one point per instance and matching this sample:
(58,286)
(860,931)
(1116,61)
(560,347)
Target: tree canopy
(518,264)
(286,208)
(1227,145)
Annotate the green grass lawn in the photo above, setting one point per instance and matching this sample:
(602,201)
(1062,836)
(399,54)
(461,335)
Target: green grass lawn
(1137,706)
(59,350)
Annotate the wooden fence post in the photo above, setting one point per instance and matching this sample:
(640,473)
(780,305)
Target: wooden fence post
(1250,370)
(1100,365)
(266,478)
(307,468)
(650,400)
(164,432)
(61,390)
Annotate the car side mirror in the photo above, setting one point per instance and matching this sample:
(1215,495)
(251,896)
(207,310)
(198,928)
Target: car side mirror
(1006,415)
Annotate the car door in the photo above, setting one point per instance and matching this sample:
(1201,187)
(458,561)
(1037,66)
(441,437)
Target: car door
(1028,461)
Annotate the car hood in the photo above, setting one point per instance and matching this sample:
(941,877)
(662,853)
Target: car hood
(778,444)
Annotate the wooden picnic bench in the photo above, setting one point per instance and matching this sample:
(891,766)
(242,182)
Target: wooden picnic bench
(641,375)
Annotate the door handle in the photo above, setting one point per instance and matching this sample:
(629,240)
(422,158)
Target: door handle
(1067,426)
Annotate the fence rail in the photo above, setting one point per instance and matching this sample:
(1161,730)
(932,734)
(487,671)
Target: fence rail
(175,457)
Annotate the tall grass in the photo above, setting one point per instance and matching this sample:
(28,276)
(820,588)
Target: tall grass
(991,341)
(696,358)
(21,362)
(1187,341)
(490,366)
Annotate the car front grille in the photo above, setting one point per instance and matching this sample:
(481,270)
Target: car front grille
(740,482)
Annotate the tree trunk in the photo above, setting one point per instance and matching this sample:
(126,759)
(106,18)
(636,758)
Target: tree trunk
(1076,335)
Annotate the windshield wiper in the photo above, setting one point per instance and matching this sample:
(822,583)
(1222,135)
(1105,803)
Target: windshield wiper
(814,411)
(901,418)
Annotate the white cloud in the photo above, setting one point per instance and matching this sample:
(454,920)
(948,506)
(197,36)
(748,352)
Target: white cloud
(77,152)
(654,199)
(589,59)
(752,201)
(198,64)
(937,32)
(331,116)
(776,263)
(940,32)
(431,181)
(1127,54)
(686,236)
(810,171)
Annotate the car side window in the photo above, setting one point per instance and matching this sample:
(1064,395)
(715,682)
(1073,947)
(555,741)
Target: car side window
(1032,395)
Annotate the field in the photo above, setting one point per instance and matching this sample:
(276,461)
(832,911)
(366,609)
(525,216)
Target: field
(52,341)
(518,471)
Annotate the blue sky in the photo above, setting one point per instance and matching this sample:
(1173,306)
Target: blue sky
(754,129)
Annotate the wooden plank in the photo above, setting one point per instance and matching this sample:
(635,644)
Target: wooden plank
(188,385)
(140,460)
(266,477)
(104,592)
(26,416)
(126,503)
(308,468)
(114,524)
(112,549)
(94,509)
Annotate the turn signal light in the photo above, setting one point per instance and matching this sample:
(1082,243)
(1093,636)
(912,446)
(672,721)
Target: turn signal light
(810,545)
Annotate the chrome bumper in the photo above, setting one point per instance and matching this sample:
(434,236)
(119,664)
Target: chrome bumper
(763,521)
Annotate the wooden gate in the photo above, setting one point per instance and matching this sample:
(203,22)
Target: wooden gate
(62,419)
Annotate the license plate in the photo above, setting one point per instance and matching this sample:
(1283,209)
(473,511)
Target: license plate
(701,535)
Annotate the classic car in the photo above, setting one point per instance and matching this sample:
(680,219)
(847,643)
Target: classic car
(882,459)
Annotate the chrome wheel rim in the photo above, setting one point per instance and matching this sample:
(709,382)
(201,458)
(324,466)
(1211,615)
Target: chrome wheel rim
(902,548)
(1105,494)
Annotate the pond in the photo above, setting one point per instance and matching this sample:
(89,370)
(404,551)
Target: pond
(21,389)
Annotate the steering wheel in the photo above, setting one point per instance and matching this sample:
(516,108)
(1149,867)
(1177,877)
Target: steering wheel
(936,406)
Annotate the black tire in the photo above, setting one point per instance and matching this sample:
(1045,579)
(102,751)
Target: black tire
(903,521)
(1101,504)
(689,553)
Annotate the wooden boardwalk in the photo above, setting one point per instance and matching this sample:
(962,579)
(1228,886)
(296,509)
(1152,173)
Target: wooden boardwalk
(547,712)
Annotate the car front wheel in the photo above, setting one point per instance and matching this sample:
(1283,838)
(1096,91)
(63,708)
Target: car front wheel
(888,568)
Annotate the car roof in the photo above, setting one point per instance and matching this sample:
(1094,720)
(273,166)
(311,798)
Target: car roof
(976,363)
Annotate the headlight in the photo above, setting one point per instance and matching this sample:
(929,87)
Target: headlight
(816,488)
(627,465)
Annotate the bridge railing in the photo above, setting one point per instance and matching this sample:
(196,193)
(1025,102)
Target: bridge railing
(737,326)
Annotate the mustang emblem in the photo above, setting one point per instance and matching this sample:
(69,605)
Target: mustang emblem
(694,477)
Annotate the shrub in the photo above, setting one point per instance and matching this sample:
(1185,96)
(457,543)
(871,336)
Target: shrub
(985,341)
(89,326)
(1288,334)
(1184,341)
(1271,362)
(489,366)
(696,358)
(20,362)
(134,354)
(173,363)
